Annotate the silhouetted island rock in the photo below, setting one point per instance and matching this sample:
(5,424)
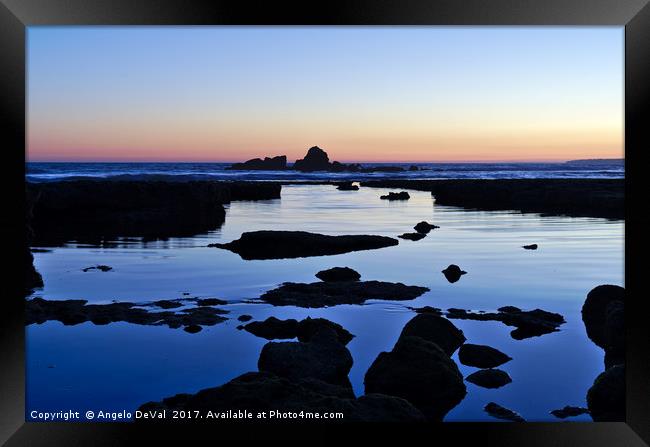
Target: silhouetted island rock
(489,378)
(532,323)
(481,356)
(262,391)
(569,411)
(529,247)
(403,195)
(424,227)
(412,236)
(338,274)
(499,412)
(316,159)
(277,163)
(347,186)
(322,294)
(606,397)
(420,372)
(453,273)
(269,244)
(435,329)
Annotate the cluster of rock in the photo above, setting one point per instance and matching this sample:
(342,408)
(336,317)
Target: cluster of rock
(421,230)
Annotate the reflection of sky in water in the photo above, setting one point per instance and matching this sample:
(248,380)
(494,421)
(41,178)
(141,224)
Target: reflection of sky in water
(120,366)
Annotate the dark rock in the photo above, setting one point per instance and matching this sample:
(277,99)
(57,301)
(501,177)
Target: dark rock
(299,244)
(453,273)
(594,311)
(500,412)
(420,372)
(489,378)
(412,236)
(273,328)
(103,268)
(572,197)
(309,327)
(33,279)
(606,397)
(41,250)
(322,294)
(347,186)
(257,392)
(614,334)
(210,302)
(424,227)
(435,329)
(413,168)
(338,274)
(167,304)
(481,356)
(528,324)
(315,160)
(244,318)
(323,358)
(277,163)
(530,247)
(192,328)
(568,411)
(427,310)
(403,195)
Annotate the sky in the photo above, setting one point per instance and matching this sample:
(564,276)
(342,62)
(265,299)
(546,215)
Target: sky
(375,94)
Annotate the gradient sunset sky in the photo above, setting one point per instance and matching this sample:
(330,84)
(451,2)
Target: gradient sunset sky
(361,93)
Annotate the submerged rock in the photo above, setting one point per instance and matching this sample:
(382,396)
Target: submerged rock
(532,323)
(529,247)
(453,273)
(499,412)
(424,227)
(412,236)
(606,397)
(481,356)
(321,294)
(277,163)
(403,195)
(595,310)
(489,378)
(568,411)
(297,244)
(338,274)
(435,329)
(420,372)
(103,268)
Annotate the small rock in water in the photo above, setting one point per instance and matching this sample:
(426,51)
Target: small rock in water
(569,412)
(425,227)
(192,328)
(481,356)
(499,412)
(530,247)
(489,378)
(210,302)
(412,236)
(347,186)
(338,274)
(244,317)
(435,329)
(453,273)
(103,268)
(427,310)
(403,195)
(167,304)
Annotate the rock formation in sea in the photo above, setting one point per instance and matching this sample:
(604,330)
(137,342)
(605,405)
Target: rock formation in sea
(277,163)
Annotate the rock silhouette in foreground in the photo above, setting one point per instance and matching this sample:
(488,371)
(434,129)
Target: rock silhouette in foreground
(403,195)
(435,329)
(499,412)
(277,163)
(489,378)
(603,314)
(269,244)
(606,397)
(453,273)
(322,294)
(316,159)
(481,356)
(338,274)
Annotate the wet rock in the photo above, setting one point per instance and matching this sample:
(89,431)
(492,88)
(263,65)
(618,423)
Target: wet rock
(273,328)
(453,273)
(594,311)
(309,327)
(402,195)
(489,378)
(427,310)
(530,247)
(347,186)
(500,412)
(245,318)
(532,323)
(338,274)
(420,372)
(210,302)
(167,304)
(103,268)
(481,356)
(606,397)
(322,294)
(568,411)
(261,391)
(412,236)
(297,244)
(277,163)
(435,329)
(424,227)
(192,328)
(323,358)
(315,160)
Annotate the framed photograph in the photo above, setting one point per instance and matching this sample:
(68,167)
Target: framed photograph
(252,221)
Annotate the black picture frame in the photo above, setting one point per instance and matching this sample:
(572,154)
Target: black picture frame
(16,15)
